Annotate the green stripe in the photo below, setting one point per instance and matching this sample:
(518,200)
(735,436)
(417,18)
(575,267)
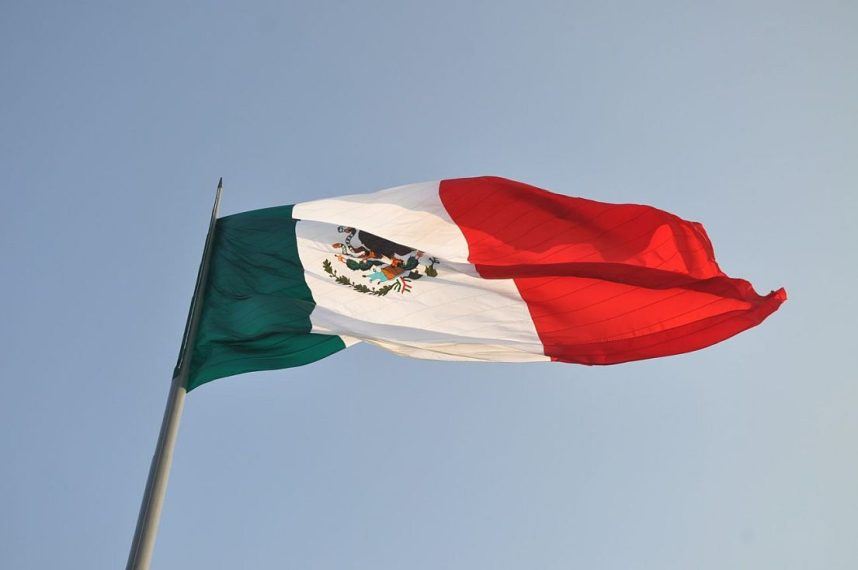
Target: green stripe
(256,305)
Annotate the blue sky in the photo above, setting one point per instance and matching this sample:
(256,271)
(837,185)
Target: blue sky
(117,120)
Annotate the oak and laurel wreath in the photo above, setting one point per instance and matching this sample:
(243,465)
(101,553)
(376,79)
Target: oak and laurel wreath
(378,292)
(359,287)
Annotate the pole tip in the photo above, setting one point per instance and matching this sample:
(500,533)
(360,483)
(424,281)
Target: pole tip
(220,182)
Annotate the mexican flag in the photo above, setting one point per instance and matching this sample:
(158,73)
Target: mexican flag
(476,269)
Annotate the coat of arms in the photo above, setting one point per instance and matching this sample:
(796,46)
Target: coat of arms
(381,266)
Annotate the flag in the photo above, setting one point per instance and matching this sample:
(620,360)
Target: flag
(476,269)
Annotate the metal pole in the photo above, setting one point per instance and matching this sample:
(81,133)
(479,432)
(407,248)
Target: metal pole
(156,485)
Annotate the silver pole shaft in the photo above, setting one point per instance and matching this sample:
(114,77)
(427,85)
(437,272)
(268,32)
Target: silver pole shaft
(156,485)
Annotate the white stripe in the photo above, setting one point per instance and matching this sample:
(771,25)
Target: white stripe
(452,316)
(412,215)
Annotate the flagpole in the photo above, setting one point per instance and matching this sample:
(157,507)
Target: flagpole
(159,471)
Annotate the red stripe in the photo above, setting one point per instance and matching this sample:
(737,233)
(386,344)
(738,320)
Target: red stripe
(604,283)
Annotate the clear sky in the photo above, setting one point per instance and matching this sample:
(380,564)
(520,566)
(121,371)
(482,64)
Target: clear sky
(116,120)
